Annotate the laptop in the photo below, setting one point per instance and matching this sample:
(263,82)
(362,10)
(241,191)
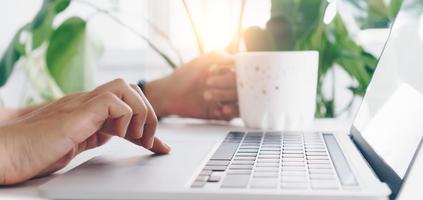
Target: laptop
(370,162)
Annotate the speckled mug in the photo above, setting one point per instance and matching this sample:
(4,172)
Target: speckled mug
(277,90)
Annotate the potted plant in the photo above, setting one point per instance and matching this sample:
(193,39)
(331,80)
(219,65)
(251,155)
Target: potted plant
(300,25)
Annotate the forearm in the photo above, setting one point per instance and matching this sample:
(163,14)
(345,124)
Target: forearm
(6,165)
(7,114)
(3,158)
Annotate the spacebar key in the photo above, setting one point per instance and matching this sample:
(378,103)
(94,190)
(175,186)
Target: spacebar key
(225,152)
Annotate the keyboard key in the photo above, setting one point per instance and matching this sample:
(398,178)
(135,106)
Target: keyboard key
(318,162)
(324,184)
(293,148)
(246,154)
(235,134)
(215,168)
(294,179)
(245,159)
(292,152)
(294,173)
(268,157)
(264,183)
(242,162)
(292,145)
(319,166)
(268,161)
(245,167)
(254,134)
(198,184)
(293,160)
(266,174)
(218,163)
(248,151)
(314,148)
(276,153)
(293,168)
(214,179)
(272,165)
(320,171)
(322,177)
(289,185)
(319,153)
(225,152)
(266,169)
(271,148)
(296,164)
(293,155)
(201,179)
(240,172)
(205,173)
(317,158)
(235,181)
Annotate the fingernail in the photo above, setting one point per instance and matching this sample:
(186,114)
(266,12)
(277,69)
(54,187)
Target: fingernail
(167,146)
(208,95)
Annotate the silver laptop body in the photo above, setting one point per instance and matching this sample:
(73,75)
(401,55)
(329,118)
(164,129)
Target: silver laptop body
(369,163)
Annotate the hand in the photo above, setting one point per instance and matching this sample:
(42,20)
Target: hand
(203,88)
(46,139)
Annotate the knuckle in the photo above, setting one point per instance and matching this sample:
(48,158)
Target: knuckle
(120,82)
(107,96)
(130,111)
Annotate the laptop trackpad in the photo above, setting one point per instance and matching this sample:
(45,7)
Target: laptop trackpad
(128,168)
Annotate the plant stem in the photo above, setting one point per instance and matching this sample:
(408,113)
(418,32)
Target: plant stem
(239,28)
(194,28)
(167,38)
(132,30)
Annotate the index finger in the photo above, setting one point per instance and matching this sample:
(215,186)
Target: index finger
(149,129)
(158,147)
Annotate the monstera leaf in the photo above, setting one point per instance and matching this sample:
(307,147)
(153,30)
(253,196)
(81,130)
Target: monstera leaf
(72,54)
(40,27)
(374,13)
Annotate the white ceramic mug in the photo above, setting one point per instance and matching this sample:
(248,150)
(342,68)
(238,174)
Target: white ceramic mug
(277,90)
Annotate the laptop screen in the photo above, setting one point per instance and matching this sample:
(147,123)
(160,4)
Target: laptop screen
(390,119)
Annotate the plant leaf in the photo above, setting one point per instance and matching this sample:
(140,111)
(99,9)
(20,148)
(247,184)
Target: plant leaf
(41,28)
(72,54)
(257,39)
(43,21)
(10,57)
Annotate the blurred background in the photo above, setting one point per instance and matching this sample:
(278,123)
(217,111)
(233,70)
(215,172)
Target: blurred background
(218,23)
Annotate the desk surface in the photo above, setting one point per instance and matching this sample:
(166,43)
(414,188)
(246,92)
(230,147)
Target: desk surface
(169,129)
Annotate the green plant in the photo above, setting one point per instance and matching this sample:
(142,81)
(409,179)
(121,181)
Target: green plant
(298,25)
(70,51)
(67,49)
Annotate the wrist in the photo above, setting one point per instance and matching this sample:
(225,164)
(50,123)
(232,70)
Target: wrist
(156,93)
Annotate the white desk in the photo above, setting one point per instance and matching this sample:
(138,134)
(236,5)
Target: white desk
(169,129)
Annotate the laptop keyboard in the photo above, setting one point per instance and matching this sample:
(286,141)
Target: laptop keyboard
(272,160)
